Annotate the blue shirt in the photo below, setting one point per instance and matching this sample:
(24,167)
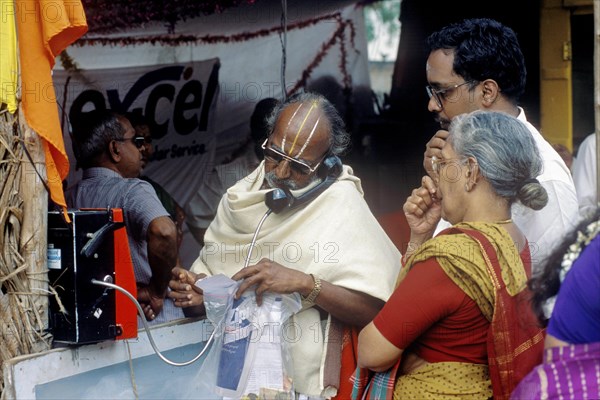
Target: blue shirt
(576,315)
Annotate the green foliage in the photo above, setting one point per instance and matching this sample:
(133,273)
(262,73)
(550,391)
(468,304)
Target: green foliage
(382,14)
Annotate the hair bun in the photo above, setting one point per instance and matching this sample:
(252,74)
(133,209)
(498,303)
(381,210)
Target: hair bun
(530,180)
(532,194)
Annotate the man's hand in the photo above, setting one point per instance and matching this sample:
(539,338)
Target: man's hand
(151,303)
(269,276)
(434,148)
(184,292)
(348,306)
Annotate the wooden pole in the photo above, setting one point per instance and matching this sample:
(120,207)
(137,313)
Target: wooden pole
(23,216)
(33,244)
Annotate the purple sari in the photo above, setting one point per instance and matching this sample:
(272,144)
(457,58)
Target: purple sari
(571,372)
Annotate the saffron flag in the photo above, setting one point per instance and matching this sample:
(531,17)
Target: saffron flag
(8,56)
(45,28)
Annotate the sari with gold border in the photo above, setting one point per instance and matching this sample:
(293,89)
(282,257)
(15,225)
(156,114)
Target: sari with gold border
(483,261)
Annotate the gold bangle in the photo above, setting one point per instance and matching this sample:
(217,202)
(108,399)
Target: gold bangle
(312,296)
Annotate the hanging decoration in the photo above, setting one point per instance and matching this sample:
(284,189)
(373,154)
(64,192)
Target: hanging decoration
(338,35)
(176,40)
(113,15)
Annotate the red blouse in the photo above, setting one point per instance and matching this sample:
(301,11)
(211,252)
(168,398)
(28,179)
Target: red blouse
(433,318)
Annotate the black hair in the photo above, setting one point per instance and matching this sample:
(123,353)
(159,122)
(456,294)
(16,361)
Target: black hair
(546,283)
(92,134)
(259,129)
(484,49)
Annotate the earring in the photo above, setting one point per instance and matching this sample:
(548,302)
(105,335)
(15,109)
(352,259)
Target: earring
(466,187)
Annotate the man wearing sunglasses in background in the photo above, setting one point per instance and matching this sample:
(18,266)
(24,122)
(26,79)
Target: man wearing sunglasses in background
(477,64)
(110,153)
(331,251)
(228,169)
(142,128)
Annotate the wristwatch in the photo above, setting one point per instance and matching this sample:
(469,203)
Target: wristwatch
(312,296)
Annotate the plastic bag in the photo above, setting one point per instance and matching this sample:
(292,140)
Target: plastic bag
(249,357)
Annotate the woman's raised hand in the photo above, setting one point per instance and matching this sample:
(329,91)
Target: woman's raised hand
(423,210)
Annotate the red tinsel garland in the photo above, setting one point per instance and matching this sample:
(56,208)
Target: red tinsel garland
(175,40)
(111,15)
(337,35)
(170,40)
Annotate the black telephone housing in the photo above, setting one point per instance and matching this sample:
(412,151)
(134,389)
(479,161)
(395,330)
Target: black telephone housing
(282,199)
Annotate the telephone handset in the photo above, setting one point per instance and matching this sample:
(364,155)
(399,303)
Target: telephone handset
(281,199)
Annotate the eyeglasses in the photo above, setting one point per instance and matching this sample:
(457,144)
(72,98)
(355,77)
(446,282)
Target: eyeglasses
(276,157)
(440,94)
(436,163)
(138,141)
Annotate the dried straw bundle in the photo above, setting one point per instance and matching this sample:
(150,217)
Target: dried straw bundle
(22,315)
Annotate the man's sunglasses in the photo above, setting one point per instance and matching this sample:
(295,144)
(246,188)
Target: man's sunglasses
(138,141)
(276,157)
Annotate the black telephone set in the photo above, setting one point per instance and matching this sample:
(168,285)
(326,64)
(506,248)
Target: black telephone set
(281,199)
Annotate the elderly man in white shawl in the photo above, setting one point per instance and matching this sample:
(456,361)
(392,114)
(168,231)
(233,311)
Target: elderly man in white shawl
(332,250)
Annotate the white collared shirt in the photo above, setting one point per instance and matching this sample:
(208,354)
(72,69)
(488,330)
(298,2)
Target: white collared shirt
(584,175)
(546,228)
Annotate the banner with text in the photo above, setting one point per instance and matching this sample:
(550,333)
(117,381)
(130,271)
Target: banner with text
(178,101)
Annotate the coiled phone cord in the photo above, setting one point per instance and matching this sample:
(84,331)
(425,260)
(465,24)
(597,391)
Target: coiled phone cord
(147,327)
(145,323)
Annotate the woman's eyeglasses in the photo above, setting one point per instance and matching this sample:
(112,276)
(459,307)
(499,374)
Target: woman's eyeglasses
(138,141)
(437,163)
(276,157)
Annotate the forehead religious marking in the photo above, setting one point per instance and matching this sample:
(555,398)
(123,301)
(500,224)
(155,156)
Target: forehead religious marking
(309,137)
(287,127)
(314,128)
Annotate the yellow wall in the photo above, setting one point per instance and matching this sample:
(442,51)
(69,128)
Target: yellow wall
(556,99)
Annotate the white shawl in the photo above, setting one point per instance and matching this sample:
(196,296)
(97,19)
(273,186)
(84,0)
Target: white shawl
(334,237)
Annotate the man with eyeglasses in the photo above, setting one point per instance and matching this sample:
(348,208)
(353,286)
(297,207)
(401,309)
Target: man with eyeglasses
(331,250)
(110,153)
(477,64)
